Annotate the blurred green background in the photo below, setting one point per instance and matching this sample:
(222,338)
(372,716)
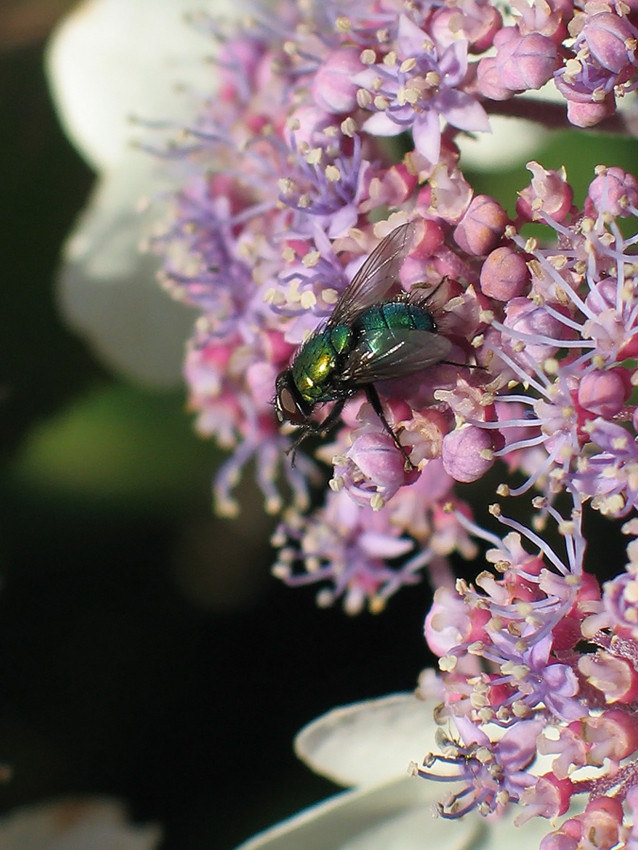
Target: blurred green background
(145,651)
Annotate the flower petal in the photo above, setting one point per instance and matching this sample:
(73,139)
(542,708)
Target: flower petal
(511,141)
(368,742)
(463,111)
(395,815)
(109,291)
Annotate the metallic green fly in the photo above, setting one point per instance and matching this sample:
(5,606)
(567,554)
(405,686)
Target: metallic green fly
(371,336)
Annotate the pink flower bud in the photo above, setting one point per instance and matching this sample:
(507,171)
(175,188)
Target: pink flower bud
(612,191)
(608,36)
(604,393)
(504,274)
(477,22)
(613,735)
(450,622)
(428,239)
(566,838)
(614,677)
(333,87)
(449,194)
(524,62)
(307,125)
(482,37)
(540,328)
(390,187)
(589,113)
(602,822)
(467,453)
(482,226)
(378,459)
(549,797)
(548,19)
(490,81)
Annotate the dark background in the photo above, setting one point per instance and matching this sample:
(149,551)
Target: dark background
(145,652)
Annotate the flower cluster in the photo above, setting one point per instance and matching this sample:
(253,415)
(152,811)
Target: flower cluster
(559,679)
(290,183)
(286,169)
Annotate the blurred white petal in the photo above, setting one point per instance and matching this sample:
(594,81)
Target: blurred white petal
(395,815)
(511,141)
(369,742)
(109,290)
(75,824)
(110,60)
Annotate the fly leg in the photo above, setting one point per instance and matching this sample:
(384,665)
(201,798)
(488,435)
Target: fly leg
(373,397)
(318,428)
(332,418)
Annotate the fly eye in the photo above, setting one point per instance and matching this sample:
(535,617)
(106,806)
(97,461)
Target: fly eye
(288,405)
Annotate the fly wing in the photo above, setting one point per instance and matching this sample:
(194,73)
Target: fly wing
(382,356)
(375,277)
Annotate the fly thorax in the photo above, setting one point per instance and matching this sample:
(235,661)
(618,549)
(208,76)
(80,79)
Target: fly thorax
(318,360)
(341,338)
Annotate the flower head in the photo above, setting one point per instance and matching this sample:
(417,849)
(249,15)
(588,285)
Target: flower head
(318,221)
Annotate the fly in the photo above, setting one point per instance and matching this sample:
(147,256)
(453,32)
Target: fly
(369,337)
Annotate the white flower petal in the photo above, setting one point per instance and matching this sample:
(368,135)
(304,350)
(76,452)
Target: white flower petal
(511,141)
(394,816)
(109,291)
(75,824)
(369,742)
(110,60)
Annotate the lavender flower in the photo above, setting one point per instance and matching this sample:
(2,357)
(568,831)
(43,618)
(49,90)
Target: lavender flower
(414,86)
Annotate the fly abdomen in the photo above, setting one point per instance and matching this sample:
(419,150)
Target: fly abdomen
(393,316)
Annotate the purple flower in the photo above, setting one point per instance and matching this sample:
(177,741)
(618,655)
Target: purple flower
(348,546)
(327,187)
(416,86)
(492,773)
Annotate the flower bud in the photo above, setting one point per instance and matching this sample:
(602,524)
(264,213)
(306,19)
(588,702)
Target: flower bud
(490,81)
(612,191)
(524,62)
(482,226)
(607,36)
(604,393)
(589,113)
(539,326)
(333,87)
(548,191)
(467,453)
(504,274)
